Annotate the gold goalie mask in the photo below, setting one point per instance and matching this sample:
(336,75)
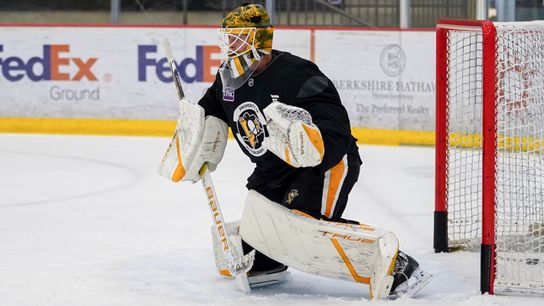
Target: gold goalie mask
(245,36)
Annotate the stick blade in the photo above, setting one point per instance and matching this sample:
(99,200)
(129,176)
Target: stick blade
(240,265)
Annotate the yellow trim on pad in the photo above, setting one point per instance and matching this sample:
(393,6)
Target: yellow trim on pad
(166,128)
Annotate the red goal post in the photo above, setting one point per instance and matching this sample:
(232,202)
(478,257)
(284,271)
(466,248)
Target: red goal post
(489,149)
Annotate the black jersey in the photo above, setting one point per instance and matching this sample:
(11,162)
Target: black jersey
(291,80)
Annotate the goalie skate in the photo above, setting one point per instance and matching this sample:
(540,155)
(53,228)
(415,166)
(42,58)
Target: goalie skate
(409,278)
(418,281)
(267,278)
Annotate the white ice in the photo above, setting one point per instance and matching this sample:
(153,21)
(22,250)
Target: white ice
(87,221)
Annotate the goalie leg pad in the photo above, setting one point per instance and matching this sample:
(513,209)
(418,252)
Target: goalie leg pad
(352,252)
(220,261)
(253,280)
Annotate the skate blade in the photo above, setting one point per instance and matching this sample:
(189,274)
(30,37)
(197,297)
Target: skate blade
(422,279)
(268,279)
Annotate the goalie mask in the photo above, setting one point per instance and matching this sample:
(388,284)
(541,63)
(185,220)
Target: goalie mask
(245,37)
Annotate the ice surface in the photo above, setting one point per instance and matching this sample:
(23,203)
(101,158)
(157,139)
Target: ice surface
(86,220)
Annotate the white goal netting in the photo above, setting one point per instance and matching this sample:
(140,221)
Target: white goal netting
(519,158)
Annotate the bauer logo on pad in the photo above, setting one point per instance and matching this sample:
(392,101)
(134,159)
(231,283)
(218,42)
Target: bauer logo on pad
(228,94)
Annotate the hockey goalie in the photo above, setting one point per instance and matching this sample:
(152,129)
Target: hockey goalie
(287,117)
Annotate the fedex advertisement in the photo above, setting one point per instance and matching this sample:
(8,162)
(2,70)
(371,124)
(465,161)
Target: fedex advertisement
(122,72)
(109,72)
(202,68)
(48,65)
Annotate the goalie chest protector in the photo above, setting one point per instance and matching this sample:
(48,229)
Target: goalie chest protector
(288,79)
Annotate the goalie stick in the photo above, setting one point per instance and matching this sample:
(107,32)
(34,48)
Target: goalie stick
(237,264)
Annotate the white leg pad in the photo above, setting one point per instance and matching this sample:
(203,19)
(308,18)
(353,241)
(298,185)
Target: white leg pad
(232,231)
(220,262)
(245,282)
(359,253)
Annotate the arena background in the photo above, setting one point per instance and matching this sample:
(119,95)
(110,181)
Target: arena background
(97,67)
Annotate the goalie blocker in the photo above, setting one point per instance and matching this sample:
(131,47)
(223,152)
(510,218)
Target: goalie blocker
(198,140)
(353,252)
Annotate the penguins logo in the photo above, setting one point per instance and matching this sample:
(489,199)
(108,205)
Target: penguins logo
(250,127)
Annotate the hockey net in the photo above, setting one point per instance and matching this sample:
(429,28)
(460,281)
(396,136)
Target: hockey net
(490,137)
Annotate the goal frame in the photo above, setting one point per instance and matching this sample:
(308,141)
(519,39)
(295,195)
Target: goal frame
(489,147)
